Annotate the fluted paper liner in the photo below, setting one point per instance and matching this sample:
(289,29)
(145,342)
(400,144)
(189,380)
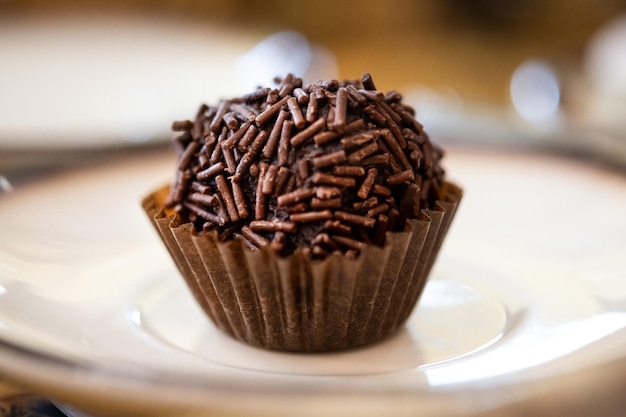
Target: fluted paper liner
(298,304)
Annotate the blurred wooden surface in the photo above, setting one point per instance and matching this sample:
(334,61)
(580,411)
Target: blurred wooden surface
(470,46)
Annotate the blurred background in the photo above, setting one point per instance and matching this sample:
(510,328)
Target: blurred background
(481,73)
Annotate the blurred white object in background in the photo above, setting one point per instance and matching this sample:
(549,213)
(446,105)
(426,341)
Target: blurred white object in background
(282,53)
(555,106)
(605,59)
(77,81)
(604,67)
(535,92)
(81,81)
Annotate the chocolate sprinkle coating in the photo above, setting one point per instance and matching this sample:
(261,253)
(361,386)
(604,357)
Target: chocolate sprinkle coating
(325,167)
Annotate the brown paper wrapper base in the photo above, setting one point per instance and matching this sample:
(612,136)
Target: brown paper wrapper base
(297,304)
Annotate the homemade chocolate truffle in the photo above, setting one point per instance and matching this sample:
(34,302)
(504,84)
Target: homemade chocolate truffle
(305,217)
(326,167)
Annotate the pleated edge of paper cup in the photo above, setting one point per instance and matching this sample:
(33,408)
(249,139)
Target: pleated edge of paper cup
(294,303)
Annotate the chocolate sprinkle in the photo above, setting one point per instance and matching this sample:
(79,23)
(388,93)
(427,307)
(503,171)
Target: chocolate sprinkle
(401,177)
(361,153)
(216,123)
(349,170)
(369,203)
(269,180)
(321,178)
(350,243)
(367,81)
(207,200)
(354,219)
(272,142)
(182,125)
(307,133)
(336,226)
(211,171)
(330,159)
(261,199)
(341,107)
(296,113)
(281,179)
(331,166)
(318,203)
(224,190)
(367,184)
(311,216)
(301,95)
(312,109)
(247,138)
(325,137)
(205,214)
(295,196)
(270,112)
(254,238)
(240,200)
(283,145)
(232,141)
(273,226)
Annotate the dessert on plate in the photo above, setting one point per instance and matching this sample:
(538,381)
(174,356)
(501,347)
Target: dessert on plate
(305,217)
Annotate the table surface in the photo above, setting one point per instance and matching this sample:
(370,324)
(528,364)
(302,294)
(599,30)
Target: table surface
(17,402)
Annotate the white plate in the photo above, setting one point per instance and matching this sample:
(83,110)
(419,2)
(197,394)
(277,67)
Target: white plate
(529,285)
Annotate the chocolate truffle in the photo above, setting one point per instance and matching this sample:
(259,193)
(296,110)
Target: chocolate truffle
(305,218)
(326,167)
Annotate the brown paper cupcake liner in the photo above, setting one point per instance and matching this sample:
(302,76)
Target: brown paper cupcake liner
(297,304)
